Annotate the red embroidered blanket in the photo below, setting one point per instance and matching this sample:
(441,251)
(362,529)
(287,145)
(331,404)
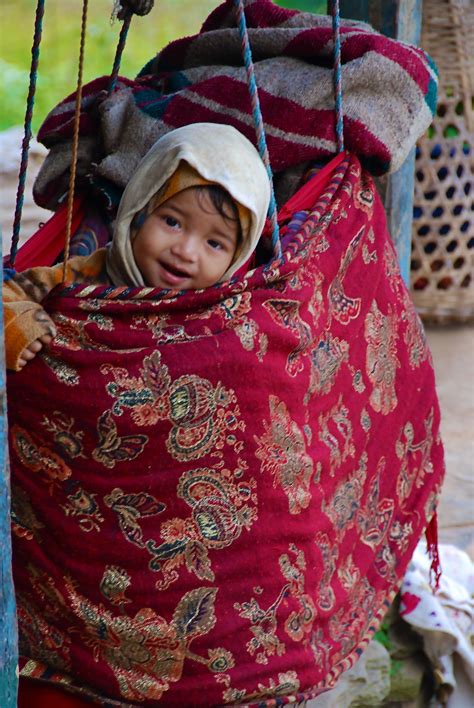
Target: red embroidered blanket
(216,494)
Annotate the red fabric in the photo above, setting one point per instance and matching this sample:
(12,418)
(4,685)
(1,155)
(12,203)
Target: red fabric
(32,694)
(216,494)
(305,197)
(48,242)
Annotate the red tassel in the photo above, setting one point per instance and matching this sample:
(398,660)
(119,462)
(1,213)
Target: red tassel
(432,548)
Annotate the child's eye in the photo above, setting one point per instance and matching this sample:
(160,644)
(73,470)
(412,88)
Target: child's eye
(214,244)
(171,221)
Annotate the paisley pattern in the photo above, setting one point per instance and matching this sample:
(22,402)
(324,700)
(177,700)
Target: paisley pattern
(216,493)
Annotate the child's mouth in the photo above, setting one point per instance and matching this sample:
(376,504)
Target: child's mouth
(172,274)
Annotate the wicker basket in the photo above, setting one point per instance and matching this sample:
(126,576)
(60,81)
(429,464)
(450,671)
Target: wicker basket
(442,277)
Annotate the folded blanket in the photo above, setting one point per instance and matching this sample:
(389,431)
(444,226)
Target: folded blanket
(389,99)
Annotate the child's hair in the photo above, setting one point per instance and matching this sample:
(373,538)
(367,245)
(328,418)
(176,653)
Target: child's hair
(222,203)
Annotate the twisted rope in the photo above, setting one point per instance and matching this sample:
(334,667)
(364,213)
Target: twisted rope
(118,53)
(258,121)
(20,195)
(124,10)
(337,74)
(75,141)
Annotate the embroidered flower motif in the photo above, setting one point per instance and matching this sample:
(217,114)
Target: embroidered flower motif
(220,511)
(114,584)
(83,505)
(381,333)
(282,452)
(145,652)
(415,457)
(335,431)
(414,336)
(39,458)
(68,440)
(220,661)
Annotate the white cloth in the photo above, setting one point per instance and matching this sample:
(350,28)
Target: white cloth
(445,619)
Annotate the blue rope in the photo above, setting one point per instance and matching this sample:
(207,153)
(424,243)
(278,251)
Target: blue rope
(20,195)
(337,74)
(258,121)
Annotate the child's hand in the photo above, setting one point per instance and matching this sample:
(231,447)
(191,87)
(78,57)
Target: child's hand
(32,350)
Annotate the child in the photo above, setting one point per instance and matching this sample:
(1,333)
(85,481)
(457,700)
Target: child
(189,218)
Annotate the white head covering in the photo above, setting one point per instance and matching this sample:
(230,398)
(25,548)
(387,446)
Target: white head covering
(220,154)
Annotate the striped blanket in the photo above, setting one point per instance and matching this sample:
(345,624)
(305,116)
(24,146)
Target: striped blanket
(389,98)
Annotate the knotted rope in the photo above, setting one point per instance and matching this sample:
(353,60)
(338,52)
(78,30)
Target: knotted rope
(20,195)
(75,141)
(258,122)
(337,74)
(125,10)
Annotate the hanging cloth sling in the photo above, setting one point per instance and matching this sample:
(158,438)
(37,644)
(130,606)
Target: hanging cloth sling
(216,493)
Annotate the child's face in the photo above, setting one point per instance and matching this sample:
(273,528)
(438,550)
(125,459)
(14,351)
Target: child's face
(185,243)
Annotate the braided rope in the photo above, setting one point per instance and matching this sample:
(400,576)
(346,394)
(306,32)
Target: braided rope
(75,142)
(124,10)
(258,121)
(118,53)
(337,74)
(20,196)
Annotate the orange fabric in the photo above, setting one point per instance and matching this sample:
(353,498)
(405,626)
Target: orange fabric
(32,694)
(24,317)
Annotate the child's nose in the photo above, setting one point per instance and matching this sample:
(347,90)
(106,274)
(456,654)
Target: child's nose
(185,248)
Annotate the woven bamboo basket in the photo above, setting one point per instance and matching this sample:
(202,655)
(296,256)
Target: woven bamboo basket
(442,272)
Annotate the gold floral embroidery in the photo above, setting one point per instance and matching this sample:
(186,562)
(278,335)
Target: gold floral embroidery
(130,508)
(414,336)
(64,373)
(286,685)
(220,511)
(354,619)
(68,440)
(406,450)
(326,598)
(326,360)
(114,584)
(342,508)
(204,418)
(381,332)
(282,452)
(264,624)
(345,308)
(83,504)
(375,516)
(335,428)
(161,331)
(39,458)
(145,652)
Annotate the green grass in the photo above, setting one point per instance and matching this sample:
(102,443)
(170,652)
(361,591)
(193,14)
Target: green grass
(59,51)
